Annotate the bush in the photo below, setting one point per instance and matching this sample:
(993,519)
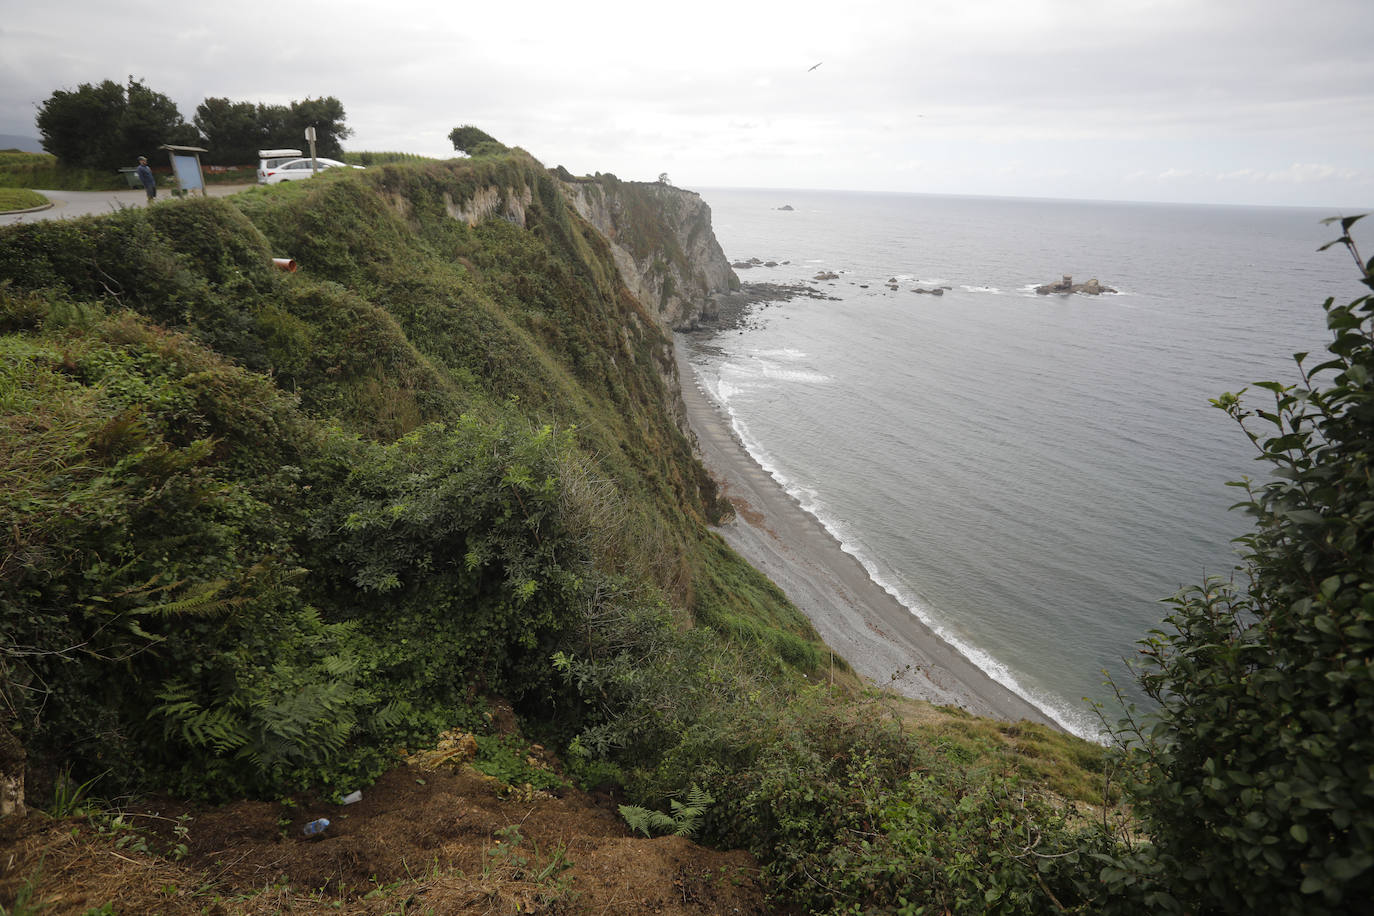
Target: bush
(475,142)
(147,497)
(846,810)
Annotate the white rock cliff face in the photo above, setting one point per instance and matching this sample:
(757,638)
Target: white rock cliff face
(510,205)
(677,278)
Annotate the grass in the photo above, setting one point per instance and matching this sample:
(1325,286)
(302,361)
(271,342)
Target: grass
(1070,767)
(368,158)
(20,199)
(42,170)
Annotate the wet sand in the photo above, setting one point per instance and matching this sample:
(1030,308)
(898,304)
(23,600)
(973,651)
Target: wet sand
(883,641)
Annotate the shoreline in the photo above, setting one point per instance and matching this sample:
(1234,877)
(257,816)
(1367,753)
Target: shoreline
(880,638)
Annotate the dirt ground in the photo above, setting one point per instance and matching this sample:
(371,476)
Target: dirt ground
(442,839)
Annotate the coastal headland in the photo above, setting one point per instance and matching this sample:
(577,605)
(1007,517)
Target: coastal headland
(880,638)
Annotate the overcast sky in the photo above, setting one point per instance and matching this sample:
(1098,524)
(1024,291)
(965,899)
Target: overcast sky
(1216,101)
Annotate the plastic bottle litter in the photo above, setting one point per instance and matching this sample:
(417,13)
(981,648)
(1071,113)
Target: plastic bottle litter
(316,827)
(351,798)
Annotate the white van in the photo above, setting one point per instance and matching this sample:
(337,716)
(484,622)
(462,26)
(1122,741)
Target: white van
(269,159)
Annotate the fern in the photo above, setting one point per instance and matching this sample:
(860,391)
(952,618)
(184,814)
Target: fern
(184,716)
(684,820)
(646,820)
(687,817)
(202,600)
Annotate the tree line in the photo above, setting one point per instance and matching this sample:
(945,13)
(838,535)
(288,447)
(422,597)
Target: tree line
(107,125)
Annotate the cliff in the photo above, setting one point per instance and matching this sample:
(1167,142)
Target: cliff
(457,344)
(265,528)
(662,242)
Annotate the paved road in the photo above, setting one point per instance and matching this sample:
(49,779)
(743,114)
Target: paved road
(84,203)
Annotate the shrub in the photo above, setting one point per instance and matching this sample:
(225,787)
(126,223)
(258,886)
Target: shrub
(846,810)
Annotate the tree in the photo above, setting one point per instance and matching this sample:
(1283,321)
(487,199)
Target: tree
(150,119)
(326,115)
(79,126)
(1254,778)
(283,126)
(105,126)
(475,142)
(230,129)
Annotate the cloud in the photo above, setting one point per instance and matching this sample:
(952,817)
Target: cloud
(1300,173)
(1136,97)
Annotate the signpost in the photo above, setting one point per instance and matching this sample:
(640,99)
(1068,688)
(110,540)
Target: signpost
(310,135)
(186,168)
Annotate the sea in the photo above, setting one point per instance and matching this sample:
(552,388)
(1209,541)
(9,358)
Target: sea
(1030,475)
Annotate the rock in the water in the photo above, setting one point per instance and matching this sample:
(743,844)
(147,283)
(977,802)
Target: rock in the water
(827,275)
(786,207)
(1067,286)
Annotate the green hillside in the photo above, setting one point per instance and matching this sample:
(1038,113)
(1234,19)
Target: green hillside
(264,528)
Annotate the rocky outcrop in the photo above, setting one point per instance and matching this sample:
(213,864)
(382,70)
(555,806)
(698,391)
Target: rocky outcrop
(509,205)
(662,242)
(1066,286)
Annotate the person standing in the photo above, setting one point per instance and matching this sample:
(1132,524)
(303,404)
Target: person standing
(145,175)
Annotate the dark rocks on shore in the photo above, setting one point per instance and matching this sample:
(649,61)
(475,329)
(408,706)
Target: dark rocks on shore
(1067,286)
(933,291)
(733,310)
(826,275)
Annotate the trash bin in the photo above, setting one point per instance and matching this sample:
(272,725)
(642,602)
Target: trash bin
(131,176)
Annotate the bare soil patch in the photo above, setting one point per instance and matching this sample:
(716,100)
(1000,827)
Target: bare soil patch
(442,840)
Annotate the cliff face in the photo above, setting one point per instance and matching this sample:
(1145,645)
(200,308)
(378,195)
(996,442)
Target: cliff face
(662,242)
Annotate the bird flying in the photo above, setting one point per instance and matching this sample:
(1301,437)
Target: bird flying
(813,68)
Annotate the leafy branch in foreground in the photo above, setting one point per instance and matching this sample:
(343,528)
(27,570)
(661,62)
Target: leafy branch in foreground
(1253,779)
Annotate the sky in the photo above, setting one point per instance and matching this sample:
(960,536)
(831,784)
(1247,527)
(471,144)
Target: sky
(1209,101)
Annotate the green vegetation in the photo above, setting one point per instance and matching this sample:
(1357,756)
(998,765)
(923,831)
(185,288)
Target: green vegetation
(42,170)
(106,125)
(684,820)
(260,498)
(1254,779)
(475,142)
(262,529)
(368,158)
(17,199)
(233,132)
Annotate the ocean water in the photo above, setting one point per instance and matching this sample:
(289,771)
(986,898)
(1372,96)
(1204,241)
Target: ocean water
(1030,475)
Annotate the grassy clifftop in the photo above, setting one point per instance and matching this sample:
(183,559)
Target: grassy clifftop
(262,529)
